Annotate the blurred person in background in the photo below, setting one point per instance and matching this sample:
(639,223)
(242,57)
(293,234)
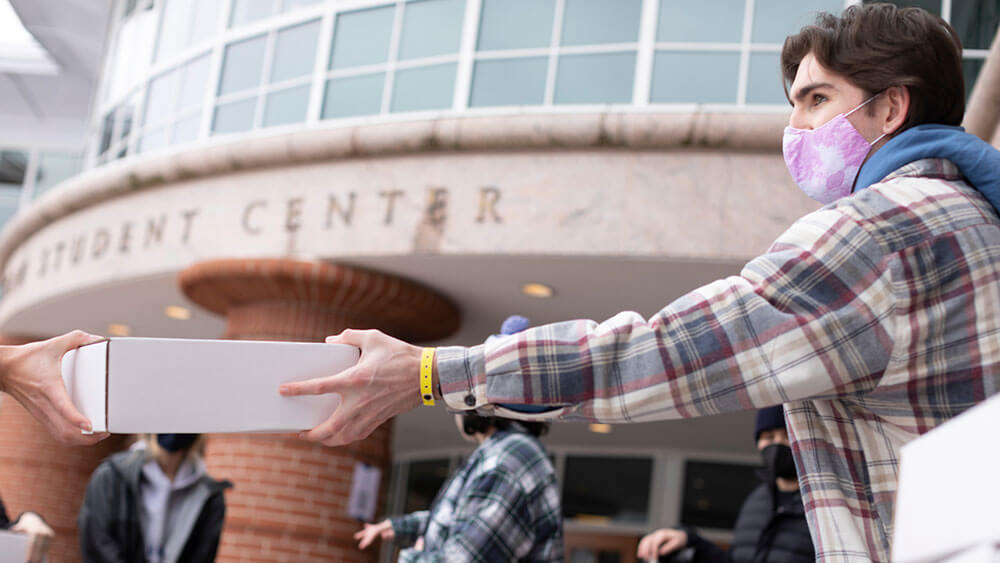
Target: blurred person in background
(771,526)
(502,505)
(154,503)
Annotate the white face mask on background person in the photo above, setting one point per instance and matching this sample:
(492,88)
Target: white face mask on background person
(825,161)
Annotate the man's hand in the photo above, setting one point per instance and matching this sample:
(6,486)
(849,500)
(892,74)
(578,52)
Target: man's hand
(32,374)
(367,535)
(384,383)
(38,531)
(661,542)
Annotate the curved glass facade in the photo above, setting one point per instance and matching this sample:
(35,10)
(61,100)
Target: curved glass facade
(182,71)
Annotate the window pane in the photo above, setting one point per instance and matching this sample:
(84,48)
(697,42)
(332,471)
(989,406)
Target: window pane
(356,95)
(516,24)
(775,20)
(186,130)
(288,5)
(764,80)
(158,97)
(425,88)
(423,481)
(693,77)
(185,23)
(511,82)
(362,37)
(243,65)
(933,6)
(587,22)
(204,21)
(8,208)
(286,106)
(714,493)
(587,491)
(718,20)
(431,27)
(107,126)
(54,167)
(246,11)
(194,83)
(235,116)
(976,22)
(595,79)
(125,113)
(295,51)
(152,140)
(970,70)
(13,165)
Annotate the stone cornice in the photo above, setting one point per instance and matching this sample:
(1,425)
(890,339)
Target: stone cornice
(757,132)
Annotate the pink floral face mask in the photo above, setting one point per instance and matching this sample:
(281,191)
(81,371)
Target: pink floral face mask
(825,161)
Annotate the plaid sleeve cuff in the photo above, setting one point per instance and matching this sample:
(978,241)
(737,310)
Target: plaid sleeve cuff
(462,376)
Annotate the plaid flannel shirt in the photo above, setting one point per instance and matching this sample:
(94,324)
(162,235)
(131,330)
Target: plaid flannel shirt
(502,505)
(874,319)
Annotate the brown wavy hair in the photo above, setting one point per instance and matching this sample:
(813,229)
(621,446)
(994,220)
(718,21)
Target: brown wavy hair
(876,46)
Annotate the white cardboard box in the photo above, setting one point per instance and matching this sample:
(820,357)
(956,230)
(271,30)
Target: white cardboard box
(948,499)
(13,547)
(159,385)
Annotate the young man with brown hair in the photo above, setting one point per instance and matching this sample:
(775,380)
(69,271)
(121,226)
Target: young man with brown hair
(873,319)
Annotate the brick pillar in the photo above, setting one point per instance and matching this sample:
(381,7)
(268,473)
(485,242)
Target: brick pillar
(39,474)
(290,499)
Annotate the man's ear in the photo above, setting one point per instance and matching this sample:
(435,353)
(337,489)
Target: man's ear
(897,100)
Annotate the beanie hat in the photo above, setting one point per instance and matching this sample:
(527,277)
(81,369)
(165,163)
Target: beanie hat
(769,419)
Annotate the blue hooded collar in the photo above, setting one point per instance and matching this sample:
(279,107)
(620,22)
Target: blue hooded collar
(977,160)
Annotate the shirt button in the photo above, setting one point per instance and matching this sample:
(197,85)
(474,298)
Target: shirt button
(470,400)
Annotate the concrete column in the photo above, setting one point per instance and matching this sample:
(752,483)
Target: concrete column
(290,497)
(39,474)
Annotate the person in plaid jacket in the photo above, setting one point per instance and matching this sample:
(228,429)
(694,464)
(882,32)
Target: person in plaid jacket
(873,319)
(502,505)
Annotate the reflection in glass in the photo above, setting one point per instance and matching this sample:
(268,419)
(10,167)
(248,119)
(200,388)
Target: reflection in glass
(186,130)
(234,116)
(352,96)
(158,98)
(246,11)
(286,106)
(714,493)
(431,27)
(13,165)
(424,88)
(976,22)
(288,5)
(764,80)
(184,24)
(362,37)
(695,77)
(423,481)
(54,167)
(295,51)
(194,83)
(243,65)
(509,82)
(595,79)
(775,20)
(719,21)
(152,140)
(590,22)
(516,24)
(603,489)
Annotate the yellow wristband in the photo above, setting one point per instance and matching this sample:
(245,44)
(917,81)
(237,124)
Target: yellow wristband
(426,369)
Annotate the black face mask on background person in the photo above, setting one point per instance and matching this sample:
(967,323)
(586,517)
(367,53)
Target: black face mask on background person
(175,442)
(778,461)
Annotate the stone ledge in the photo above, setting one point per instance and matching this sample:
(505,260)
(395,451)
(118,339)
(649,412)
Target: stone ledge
(755,132)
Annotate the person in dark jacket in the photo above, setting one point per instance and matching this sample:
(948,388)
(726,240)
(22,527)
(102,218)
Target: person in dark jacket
(153,504)
(771,526)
